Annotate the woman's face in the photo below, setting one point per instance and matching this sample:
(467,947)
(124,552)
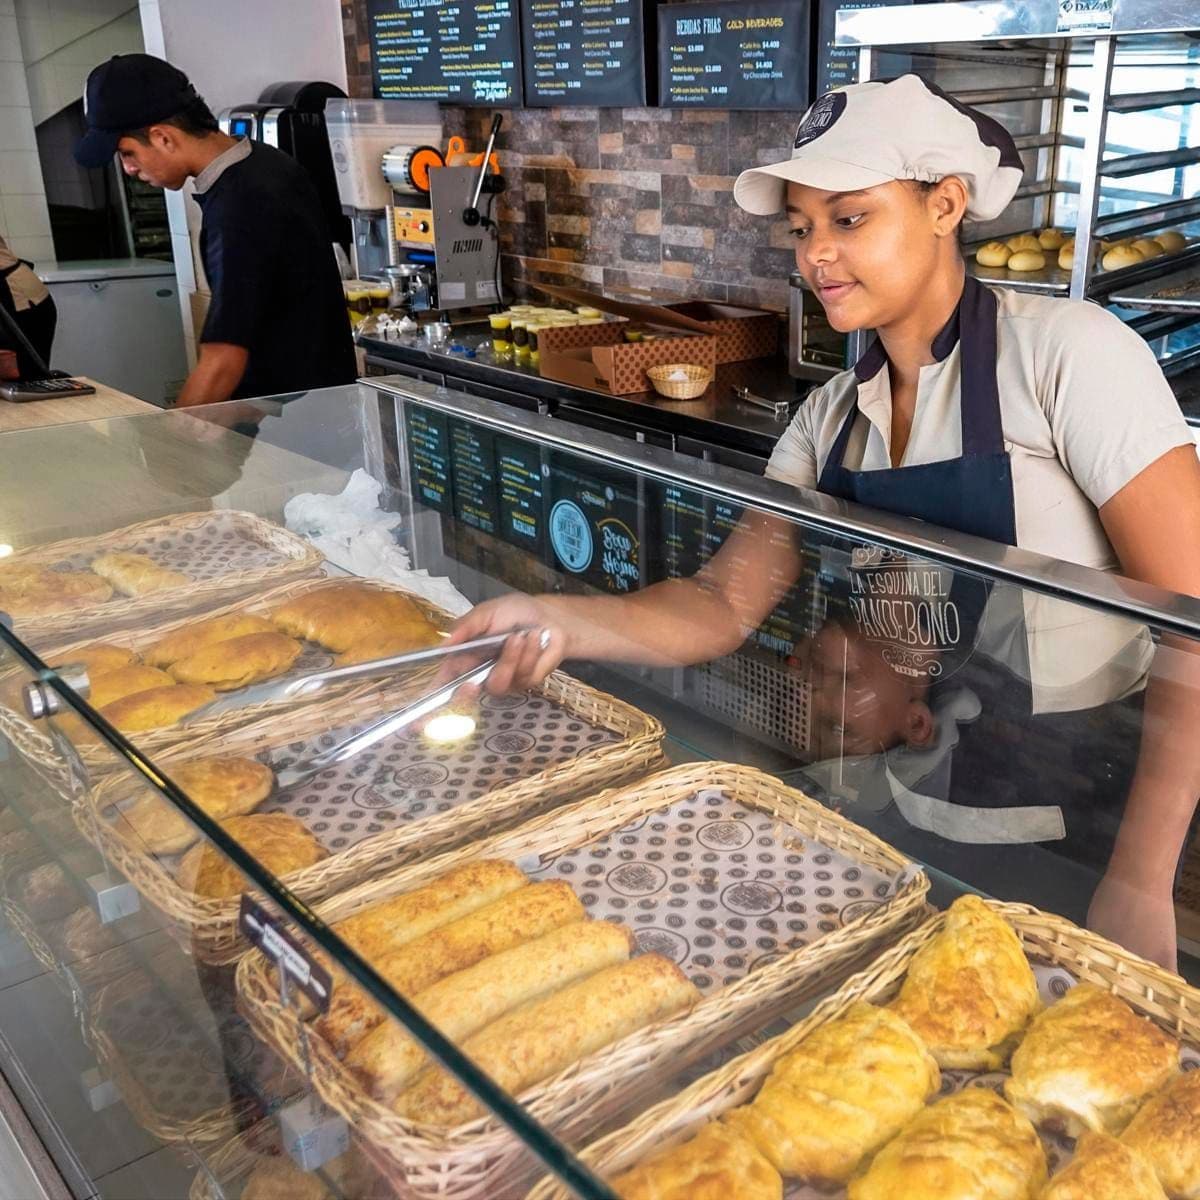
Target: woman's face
(866,255)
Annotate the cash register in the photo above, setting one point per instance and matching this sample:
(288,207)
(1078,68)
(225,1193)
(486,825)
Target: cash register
(45,384)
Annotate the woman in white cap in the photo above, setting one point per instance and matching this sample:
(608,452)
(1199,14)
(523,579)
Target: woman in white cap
(1039,423)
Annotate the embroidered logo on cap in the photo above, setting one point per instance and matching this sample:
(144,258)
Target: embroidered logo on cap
(820,117)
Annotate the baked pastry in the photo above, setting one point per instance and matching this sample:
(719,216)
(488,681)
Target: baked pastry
(191,639)
(1121,256)
(1172,241)
(344,613)
(111,686)
(968,1146)
(848,1088)
(281,843)
(84,936)
(33,592)
(223,787)
(136,574)
(543,1037)
(1166,1132)
(1149,247)
(238,662)
(463,1003)
(157,707)
(388,642)
(1052,239)
(1066,256)
(1104,1169)
(47,894)
(1027,260)
(970,992)
(279,1178)
(1023,241)
(530,912)
(993,254)
(1088,1062)
(100,658)
(717,1164)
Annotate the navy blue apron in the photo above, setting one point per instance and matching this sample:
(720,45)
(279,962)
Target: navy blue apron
(1010,756)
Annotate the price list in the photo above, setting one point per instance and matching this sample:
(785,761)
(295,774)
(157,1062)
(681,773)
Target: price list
(519,475)
(457,51)
(734,55)
(683,527)
(428,456)
(583,52)
(837,66)
(473,467)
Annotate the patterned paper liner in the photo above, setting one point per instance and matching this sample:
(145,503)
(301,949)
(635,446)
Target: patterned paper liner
(718,888)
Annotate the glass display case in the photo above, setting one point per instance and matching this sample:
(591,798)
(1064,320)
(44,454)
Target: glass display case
(294,902)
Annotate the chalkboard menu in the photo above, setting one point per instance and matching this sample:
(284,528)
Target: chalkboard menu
(458,51)
(473,476)
(584,52)
(428,456)
(683,531)
(751,54)
(838,65)
(522,500)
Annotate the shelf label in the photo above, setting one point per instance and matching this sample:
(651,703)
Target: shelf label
(264,931)
(1085,16)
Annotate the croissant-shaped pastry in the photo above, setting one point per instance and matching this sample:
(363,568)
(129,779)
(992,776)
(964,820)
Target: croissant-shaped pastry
(1104,1169)
(1166,1132)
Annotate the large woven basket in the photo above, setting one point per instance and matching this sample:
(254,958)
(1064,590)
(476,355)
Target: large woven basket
(209,928)
(1047,939)
(483,1159)
(294,557)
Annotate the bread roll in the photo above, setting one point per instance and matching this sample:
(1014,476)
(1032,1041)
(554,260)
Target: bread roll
(1121,256)
(223,787)
(1027,260)
(136,574)
(238,662)
(1166,1132)
(280,843)
(1066,256)
(1172,241)
(191,639)
(100,658)
(342,614)
(716,1164)
(1103,1169)
(1052,239)
(1148,246)
(529,912)
(546,1036)
(389,642)
(47,894)
(463,1003)
(111,686)
(993,254)
(1023,241)
(157,707)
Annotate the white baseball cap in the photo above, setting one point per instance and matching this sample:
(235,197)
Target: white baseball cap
(871,133)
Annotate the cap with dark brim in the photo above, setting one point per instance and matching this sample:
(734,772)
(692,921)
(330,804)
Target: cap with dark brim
(763,190)
(97,147)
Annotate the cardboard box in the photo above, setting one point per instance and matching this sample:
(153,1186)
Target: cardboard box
(741,333)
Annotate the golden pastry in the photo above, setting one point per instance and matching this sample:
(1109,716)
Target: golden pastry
(993,254)
(716,1164)
(239,662)
(280,1179)
(1052,239)
(1121,256)
(969,1146)
(280,843)
(84,936)
(1172,241)
(110,686)
(1066,256)
(223,787)
(463,1003)
(35,593)
(1149,247)
(1166,1132)
(848,1088)
(1088,1062)
(543,1037)
(389,642)
(193,638)
(157,707)
(529,912)
(136,574)
(970,992)
(1023,241)
(342,614)
(1104,1169)
(100,658)
(1027,260)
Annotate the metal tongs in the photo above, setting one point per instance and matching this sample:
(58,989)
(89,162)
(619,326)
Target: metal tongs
(780,409)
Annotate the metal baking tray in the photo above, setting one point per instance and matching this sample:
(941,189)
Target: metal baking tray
(1177,292)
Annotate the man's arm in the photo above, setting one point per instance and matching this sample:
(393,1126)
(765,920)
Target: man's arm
(218,371)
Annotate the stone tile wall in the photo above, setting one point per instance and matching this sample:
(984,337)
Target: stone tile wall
(628,199)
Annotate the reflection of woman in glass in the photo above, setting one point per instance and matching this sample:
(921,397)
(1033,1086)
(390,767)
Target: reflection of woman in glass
(1039,423)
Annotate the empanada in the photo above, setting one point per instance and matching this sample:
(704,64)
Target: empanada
(136,574)
(966,1147)
(223,787)
(845,1090)
(100,658)
(280,843)
(342,614)
(33,592)
(389,642)
(111,686)
(191,639)
(157,707)
(717,1164)
(238,662)
(1104,1169)
(1088,1062)
(1166,1132)
(970,992)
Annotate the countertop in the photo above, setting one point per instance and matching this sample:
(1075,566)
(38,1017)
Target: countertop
(35,414)
(80,270)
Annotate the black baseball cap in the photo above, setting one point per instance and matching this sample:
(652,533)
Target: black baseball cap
(128,92)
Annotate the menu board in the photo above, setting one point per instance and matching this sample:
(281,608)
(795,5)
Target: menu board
(584,52)
(751,54)
(683,530)
(428,456)
(457,51)
(837,66)
(520,481)
(473,476)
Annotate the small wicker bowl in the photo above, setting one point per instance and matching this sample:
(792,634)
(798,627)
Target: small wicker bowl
(696,383)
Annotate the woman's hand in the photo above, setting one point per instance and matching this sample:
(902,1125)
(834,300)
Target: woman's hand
(1138,918)
(526,658)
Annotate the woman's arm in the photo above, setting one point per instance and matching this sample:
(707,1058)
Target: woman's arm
(1153,523)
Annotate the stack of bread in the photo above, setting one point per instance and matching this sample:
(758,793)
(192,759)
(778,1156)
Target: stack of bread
(29,591)
(512,971)
(850,1105)
(1032,251)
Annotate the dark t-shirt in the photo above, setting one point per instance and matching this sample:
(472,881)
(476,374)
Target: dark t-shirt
(274,282)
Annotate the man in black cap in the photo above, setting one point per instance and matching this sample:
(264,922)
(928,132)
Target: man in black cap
(277,321)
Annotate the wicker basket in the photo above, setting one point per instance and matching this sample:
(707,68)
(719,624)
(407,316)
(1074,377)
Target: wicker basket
(1048,939)
(209,928)
(295,557)
(473,1159)
(695,384)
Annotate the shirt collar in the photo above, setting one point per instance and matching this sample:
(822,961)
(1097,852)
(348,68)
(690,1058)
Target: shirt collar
(235,154)
(873,358)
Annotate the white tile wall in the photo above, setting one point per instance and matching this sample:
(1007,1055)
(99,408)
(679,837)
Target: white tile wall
(16,128)
(24,221)
(20,173)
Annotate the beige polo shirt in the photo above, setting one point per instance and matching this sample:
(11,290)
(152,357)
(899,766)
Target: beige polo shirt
(1084,409)
(27,289)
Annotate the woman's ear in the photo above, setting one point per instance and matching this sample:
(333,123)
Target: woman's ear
(920,728)
(948,201)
